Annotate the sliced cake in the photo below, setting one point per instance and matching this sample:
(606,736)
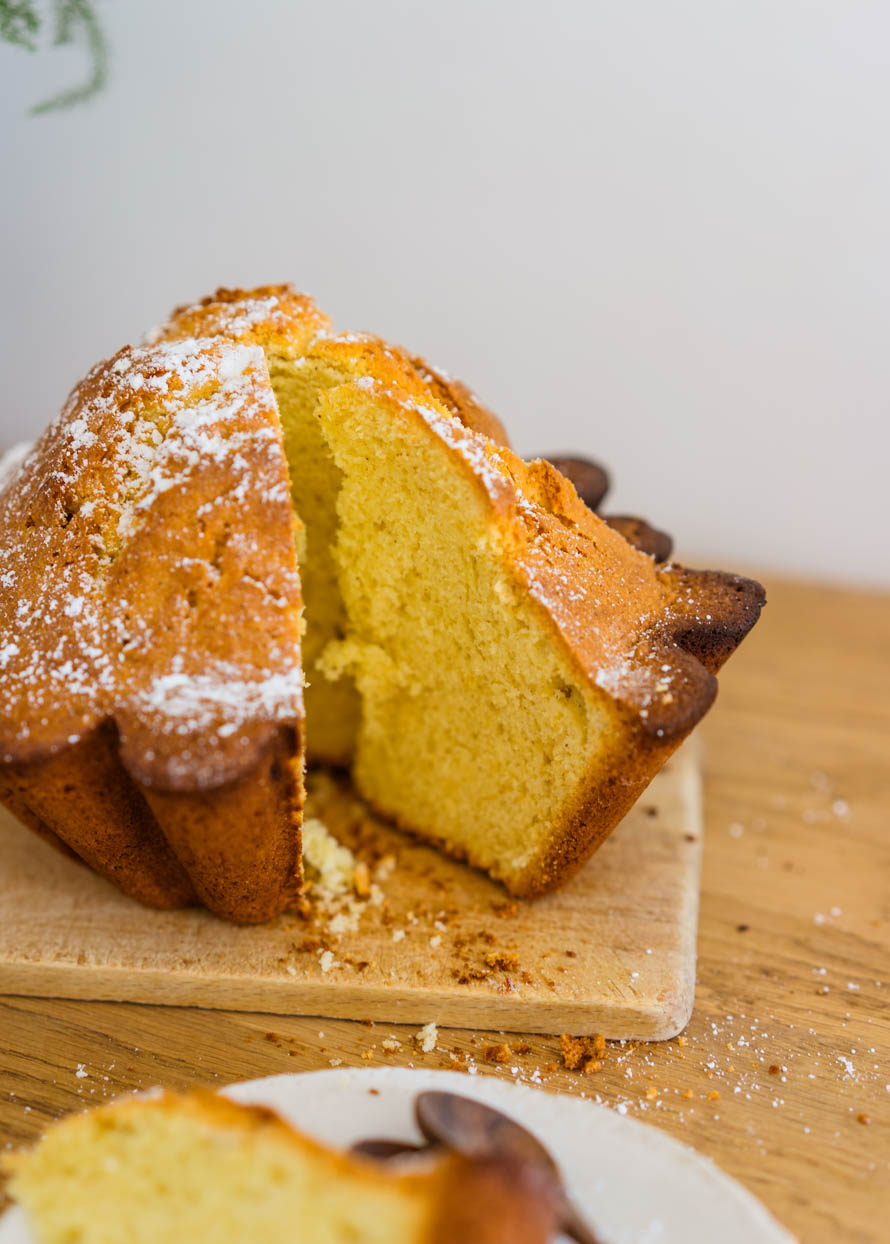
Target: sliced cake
(197,1167)
(523,671)
(503,671)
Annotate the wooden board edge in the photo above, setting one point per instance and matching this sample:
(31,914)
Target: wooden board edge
(648,1019)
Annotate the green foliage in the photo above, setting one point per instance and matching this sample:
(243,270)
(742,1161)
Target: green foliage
(19,23)
(74,21)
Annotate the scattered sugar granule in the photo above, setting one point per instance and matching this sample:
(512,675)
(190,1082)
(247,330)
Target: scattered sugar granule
(436,942)
(398,935)
(335,1062)
(326,960)
(428,1036)
(81,1072)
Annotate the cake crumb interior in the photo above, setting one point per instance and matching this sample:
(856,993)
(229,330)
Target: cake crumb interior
(332,706)
(429,669)
(474,727)
(153,1176)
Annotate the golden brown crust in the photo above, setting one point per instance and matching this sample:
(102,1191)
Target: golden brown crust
(287,323)
(235,848)
(712,613)
(147,556)
(460,399)
(86,798)
(238,843)
(591,482)
(14,795)
(276,317)
(362,354)
(651,637)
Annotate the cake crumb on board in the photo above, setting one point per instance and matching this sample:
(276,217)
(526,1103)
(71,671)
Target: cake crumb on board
(427,1037)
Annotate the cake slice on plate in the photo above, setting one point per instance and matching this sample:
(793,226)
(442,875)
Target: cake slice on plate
(197,1167)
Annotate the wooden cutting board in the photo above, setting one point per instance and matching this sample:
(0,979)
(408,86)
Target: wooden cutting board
(613,952)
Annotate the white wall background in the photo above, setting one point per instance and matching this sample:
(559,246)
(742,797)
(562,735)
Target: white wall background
(658,233)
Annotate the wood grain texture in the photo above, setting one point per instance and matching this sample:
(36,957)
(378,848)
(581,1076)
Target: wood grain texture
(795,901)
(614,951)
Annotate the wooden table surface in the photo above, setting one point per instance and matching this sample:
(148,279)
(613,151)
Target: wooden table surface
(783,1076)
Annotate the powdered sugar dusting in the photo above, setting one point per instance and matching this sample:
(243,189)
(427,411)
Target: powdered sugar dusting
(275,315)
(198,701)
(241,318)
(151,519)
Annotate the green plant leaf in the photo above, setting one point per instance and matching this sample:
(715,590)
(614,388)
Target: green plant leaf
(74,17)
(19,23)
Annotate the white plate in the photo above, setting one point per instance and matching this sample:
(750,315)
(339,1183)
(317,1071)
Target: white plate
(633,1183)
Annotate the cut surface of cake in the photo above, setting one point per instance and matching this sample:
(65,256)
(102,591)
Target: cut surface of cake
(305,359)
(198,1167)
(502,670)
(517,660)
